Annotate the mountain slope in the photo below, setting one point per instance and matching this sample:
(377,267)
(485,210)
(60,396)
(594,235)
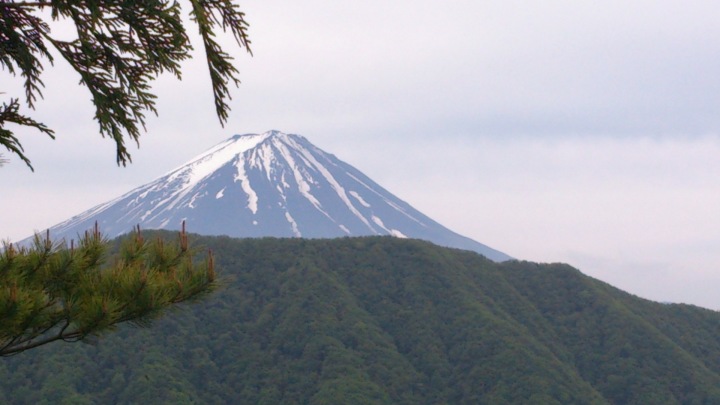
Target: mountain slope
(386,320)
(270,184)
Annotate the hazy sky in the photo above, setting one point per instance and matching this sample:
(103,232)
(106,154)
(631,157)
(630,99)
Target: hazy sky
(581,132)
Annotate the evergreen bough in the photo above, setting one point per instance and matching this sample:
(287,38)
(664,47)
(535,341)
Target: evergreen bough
(120,46)
(50,292)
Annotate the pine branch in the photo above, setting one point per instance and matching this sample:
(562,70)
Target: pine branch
(205,14)
(50,293)
(121,47)
(9,114)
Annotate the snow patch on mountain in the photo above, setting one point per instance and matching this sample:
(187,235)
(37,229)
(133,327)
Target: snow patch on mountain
(296,231)
(360,199)
(241,176)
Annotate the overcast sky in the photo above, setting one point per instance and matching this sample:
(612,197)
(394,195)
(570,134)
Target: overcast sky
(580,132)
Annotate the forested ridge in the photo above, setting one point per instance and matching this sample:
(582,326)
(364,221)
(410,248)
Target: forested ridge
(381,320)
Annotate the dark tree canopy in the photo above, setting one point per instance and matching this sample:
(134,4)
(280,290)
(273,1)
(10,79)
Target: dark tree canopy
(120,47)
(382,320)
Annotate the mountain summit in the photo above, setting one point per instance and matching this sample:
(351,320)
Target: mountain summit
(270,184)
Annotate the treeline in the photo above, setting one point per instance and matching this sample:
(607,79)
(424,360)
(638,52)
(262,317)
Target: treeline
(387,321)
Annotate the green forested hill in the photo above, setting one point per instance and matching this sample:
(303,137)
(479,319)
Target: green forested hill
(387,321)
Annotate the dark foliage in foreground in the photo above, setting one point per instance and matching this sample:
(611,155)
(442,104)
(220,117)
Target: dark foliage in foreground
(384,320)
(50,292)
(119,49)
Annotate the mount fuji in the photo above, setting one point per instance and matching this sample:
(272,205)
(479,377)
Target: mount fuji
(270,184)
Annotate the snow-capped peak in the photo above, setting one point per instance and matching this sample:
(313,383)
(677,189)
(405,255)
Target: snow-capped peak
(215,157)
(269,184)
